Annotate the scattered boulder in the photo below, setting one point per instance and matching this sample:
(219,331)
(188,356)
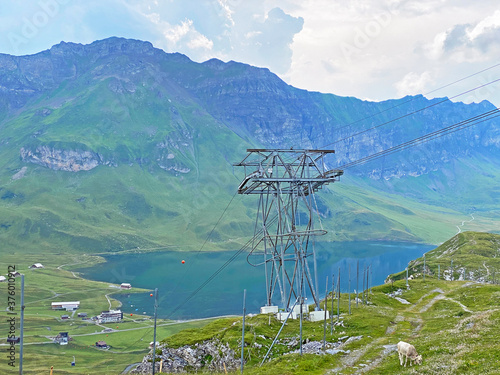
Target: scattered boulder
(212,356)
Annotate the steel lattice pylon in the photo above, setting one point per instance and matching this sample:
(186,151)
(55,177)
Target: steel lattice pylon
(286,181)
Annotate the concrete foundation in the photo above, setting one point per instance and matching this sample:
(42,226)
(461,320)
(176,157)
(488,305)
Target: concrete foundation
(269,309)
(281,316)
(317,316)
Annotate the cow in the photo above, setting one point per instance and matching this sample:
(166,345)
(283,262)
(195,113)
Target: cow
(408,351)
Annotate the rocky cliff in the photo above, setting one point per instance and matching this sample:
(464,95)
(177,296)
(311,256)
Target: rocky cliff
(254,103)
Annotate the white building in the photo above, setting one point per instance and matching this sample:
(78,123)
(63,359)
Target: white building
(68,306)
(36,265)
(111,316)
(125,286)
(2,279)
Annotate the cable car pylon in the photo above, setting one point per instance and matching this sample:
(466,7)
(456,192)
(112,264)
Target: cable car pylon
(288,221)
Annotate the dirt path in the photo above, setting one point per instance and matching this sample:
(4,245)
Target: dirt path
(463,223)
(413,315)
(487,270)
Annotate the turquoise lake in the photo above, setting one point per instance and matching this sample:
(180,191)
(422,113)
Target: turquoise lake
(224,294)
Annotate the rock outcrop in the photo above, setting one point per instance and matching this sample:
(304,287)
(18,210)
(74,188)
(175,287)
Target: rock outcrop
(213,356)
(60,159)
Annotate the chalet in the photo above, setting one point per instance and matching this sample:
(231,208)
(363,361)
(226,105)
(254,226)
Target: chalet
(62,338)
(111,316)
(64,317)
(14,274)
(101,344)
(68,306)
(2,279)
(36,265)
(82,315)
(125,286)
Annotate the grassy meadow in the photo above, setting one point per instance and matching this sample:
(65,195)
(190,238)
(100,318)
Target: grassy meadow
(452,324)
(128,340)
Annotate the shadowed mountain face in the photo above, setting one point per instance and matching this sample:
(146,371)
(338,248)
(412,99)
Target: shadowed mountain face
(117,145)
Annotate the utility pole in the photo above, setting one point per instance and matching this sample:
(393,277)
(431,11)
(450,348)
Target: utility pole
(363,291)
(349,288)
(357,282)
(326,309)
(333,299)
(406,277)
(243,328)
(367,282)
(338,297)
(301,314)
(424,267)
(451,269)
(21,328)
(154,332)
(371,278)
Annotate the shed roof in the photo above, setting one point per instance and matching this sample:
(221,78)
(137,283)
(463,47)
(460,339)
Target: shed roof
(65,303)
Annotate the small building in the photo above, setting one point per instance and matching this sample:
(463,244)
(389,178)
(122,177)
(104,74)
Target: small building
(101,344)
(82,315)
(13,340)
(125,286)
(64,317)
(68,306)
(62,338)
(36,265)
(14,274)
(2,279)
(111,316)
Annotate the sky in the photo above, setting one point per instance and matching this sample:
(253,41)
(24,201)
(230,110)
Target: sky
(370,49)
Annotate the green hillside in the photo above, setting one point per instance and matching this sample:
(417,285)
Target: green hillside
(117,145)
(466,256)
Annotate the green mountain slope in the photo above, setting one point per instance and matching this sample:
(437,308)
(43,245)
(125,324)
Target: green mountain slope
(117,146)
(466,256)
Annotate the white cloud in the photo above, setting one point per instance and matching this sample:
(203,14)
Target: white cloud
(266,40)
(485,26)
(413,84)
(379,49)
(228,11)
(256,33)
(182,37)
(200,41)
(173,34)
(467,42)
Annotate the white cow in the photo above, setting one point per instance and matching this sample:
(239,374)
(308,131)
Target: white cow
(408,351)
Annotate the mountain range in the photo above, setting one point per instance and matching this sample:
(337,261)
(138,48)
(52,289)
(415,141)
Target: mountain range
(117,145)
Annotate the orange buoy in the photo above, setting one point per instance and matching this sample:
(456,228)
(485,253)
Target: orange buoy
(183,261)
